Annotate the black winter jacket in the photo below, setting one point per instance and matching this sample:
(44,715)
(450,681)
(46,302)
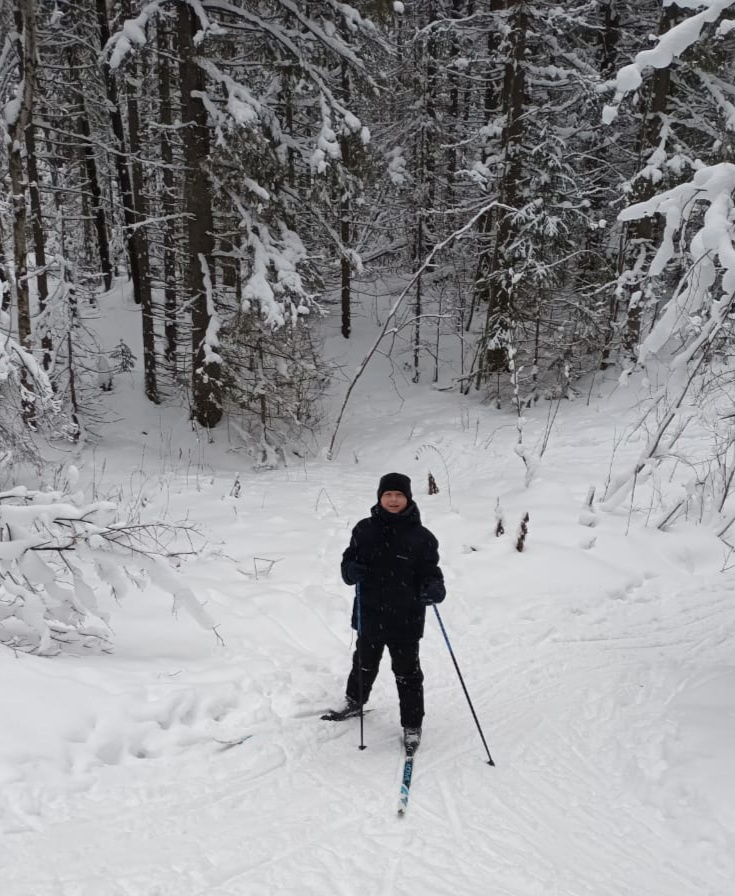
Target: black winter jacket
(400,560)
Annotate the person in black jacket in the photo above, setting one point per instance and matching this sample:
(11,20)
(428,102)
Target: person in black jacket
(394,563)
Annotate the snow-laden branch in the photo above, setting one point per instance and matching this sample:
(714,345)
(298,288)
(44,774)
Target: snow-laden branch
(710,248)
(285,38)
(211,337)
(668,47)
(132,34)
(716,90)
(282,300)
(58,554)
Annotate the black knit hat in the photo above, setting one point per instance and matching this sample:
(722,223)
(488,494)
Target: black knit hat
(395,482)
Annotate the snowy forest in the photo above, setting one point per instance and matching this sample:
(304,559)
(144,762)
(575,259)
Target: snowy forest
(544,188)
(543,176)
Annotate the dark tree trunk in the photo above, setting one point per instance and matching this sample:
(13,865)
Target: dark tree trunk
(39,238)
(206,372)
(100,220)
(609,37)
(140,244)
(493,356)
(168,200)
(345,234)
(4,279)
(121,157)
(640,233)
(26,48)
(492,99)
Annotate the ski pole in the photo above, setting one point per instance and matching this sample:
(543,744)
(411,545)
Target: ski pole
(464,687)
(359,662)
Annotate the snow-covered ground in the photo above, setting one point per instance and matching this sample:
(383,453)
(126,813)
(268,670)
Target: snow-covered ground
(599,661)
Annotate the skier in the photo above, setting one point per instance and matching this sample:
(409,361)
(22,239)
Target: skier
(394,562)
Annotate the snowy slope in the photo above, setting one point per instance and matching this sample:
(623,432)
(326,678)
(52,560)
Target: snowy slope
(599,661)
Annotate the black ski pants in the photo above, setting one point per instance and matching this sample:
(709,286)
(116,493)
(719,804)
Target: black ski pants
(406,667)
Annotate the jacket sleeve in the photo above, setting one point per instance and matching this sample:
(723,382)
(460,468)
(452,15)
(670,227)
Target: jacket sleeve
(349,557)
(432,583)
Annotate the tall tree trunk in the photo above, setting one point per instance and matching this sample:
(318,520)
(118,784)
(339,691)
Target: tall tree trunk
(345,209)
(168,200)
(640,233)
(493,355)
(121,156)
(492,99)
(453,110)
(608,39)
(39,237)
(426,63)
(26,48)
(98,208)
(609,36)
(206,369)
(140,243)
(4,278)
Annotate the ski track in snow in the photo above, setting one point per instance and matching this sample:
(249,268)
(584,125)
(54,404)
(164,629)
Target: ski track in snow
(580,688)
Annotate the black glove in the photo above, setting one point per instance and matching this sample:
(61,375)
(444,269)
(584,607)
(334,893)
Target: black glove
(356,571)
(431,593)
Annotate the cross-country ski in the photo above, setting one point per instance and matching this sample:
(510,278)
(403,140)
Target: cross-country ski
(406,778)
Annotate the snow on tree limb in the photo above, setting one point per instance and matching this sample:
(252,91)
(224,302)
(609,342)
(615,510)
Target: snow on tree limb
(169,581)
(668,47)
(131,34)
(57,554)
(711,249)
(211,337)
(713,87)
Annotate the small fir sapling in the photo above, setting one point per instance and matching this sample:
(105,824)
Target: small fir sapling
(124,357)
(522,532)
(433,487)
(587,516)
(429,447)
(235,490)
(104,374)
(499,524)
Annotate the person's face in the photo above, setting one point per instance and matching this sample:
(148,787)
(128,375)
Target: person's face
(393,502)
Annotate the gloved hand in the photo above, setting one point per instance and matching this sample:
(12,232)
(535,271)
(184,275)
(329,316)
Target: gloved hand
(431,593)
(357,571)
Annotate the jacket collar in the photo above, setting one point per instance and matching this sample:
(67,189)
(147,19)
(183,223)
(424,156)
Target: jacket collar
(409,515)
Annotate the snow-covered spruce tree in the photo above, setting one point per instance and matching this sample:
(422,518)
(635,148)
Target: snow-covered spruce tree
(539,162)
(260,88)
(60,556)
